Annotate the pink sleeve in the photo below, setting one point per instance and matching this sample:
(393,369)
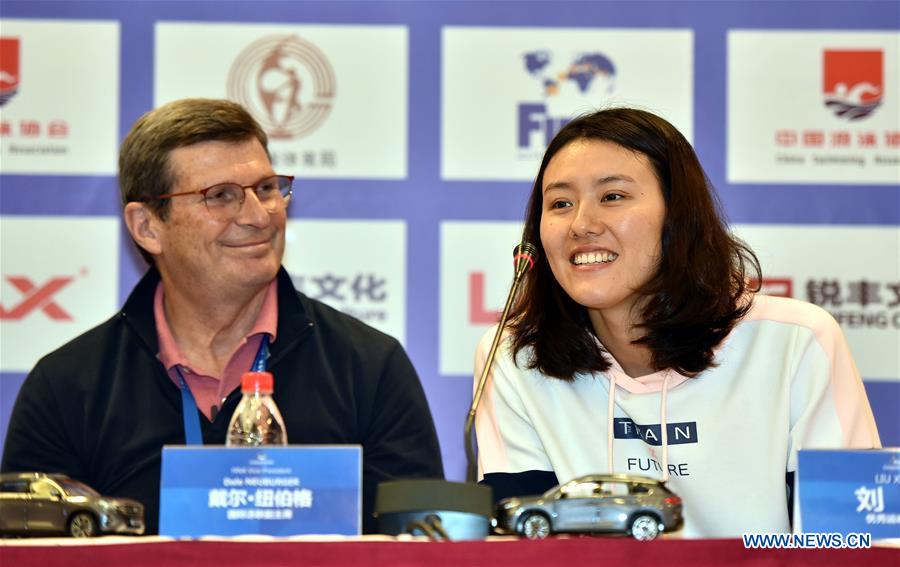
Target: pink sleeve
(829,406)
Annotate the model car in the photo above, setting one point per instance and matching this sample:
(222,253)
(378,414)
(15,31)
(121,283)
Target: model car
(626,504)
(44,504)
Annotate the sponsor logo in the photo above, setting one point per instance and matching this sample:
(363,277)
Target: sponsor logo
(585,70)
(294,80)
(9,68)
(861,291)
(776,287)
(286,82)
(587,73)
(853,82)
(861,303)
(363,295)
(837,125)
(478,313)
(475,274)
(36,298)
(370,287)
(53,289)
(540,79)
(74,130)
(25,129)
(817,138)
(793,148)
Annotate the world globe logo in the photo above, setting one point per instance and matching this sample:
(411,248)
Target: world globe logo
(286,83)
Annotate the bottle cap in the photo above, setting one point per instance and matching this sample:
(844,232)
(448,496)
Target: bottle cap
(253,381)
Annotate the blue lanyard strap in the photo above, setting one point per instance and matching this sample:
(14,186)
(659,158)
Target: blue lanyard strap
(262,356)
(192,434)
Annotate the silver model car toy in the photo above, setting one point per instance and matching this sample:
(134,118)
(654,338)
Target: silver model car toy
(43,504)
(626,504)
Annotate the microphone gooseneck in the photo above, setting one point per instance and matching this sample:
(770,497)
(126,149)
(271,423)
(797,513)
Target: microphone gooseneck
(524,255)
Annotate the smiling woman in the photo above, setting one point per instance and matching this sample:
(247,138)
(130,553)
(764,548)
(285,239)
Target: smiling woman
(640,325)
(626,182)
(601,226)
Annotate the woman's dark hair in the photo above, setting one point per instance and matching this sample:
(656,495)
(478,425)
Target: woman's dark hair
(698,292)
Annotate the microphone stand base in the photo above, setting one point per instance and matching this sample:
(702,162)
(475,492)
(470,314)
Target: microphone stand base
(437,508)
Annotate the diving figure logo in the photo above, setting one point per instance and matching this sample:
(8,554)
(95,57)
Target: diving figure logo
(286,83)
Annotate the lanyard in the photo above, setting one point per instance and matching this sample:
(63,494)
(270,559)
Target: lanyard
(192,435)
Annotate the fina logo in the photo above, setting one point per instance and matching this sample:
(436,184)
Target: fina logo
(9,68)
(586,75)
(853,82)
(286,83)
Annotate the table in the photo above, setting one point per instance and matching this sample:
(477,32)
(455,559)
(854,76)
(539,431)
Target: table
(380,551)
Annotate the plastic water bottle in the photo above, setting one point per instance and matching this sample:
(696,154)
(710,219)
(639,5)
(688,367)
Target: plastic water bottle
(256,421)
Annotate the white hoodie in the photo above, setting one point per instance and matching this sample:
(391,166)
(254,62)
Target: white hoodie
(785,381)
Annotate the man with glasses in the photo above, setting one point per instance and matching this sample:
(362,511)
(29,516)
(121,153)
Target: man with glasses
(208,212)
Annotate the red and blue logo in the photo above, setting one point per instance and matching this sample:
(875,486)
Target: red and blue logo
(9,68)
(853,82)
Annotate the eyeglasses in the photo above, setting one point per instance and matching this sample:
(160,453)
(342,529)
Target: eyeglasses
(224,201)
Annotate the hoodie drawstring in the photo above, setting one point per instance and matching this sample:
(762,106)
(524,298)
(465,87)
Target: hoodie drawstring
(664,430)
(609,423)
(663,427)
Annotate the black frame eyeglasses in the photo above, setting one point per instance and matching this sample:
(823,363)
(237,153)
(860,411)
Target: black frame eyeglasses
(224,200)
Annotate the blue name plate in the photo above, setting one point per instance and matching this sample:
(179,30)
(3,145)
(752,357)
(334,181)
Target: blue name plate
(850,492)
(276,491)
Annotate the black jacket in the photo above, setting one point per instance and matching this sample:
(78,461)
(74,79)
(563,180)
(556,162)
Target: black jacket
(101,407)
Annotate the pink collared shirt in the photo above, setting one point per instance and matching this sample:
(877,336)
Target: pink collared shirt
(210,391)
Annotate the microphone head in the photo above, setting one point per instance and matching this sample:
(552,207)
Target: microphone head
(524,255)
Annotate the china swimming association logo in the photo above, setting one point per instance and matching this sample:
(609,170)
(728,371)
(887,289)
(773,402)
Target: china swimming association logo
(286,83)
(853,82)
(9,68)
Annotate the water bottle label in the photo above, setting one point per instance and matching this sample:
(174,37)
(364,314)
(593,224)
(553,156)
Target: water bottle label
(280,491)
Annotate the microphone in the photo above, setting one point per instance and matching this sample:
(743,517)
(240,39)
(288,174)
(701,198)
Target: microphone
(443,509)
(524,255)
